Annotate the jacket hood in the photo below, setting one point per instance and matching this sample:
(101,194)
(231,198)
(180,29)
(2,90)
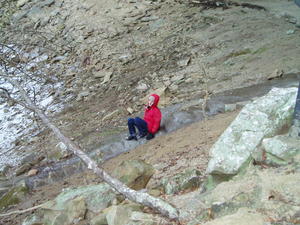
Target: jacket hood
(156,100)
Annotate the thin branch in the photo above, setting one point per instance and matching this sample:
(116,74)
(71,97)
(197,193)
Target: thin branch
(22,211)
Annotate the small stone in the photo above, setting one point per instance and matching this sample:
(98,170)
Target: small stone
(173,87)
(290,32)
(177,78)
(32,172)
(277,73)
(187,180)
(23,169)
(142,87)
(154,192)
(47,3)
(149,18)
(61,146)
(100,74)
(292,20)
(230,107)
(82,95)
(130,110)
(184,62)
(107,77)
(58,58)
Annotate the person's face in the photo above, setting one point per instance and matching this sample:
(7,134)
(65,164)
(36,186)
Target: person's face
(150,100)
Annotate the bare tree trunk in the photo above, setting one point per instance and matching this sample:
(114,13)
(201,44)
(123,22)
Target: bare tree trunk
(143,198)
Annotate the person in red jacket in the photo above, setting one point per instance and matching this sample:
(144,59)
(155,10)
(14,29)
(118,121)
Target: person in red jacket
(150,124)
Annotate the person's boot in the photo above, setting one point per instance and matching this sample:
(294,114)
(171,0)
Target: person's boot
(131,137)
(142,135)
(150,136)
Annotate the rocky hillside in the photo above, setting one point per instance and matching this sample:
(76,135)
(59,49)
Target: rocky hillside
(100,59)
(110,51)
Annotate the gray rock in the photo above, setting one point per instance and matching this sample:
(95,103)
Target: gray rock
(58,58)
(139,218)
(184,62)
(149,18)
(31,158)
(142,87)
(36,14)
(290,32)
(107,77)
(82,95)
(177,78)
(33,220)
(230,107)
(126,58)
(21,3)
(118,215)
(130,110)
(46,3)
(190,179)
(101,74)
(19,15)
(4,169)
(262,118)
(99,220)
(59,152)
(280,149)
(134,173)
(23,169)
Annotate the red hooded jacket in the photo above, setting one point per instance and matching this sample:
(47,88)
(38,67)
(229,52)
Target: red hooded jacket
(153,116)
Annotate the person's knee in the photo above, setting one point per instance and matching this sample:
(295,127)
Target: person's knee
(130,121)
(137,120)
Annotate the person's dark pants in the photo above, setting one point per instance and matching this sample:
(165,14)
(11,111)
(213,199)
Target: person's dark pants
(139,123)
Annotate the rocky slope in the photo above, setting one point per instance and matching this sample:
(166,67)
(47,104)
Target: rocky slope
(112,51)
(118,52)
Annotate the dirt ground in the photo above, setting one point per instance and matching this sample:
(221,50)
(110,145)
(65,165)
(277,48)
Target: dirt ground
(170,154)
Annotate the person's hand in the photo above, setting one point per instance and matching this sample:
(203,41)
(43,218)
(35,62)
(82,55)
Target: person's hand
(150,136)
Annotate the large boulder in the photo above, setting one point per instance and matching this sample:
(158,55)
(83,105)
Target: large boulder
(72,205)
(134,173)
(260,119)
(280,149)
(188,180)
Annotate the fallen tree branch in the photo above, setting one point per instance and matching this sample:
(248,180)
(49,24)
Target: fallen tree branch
(22,211)
(145,199)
